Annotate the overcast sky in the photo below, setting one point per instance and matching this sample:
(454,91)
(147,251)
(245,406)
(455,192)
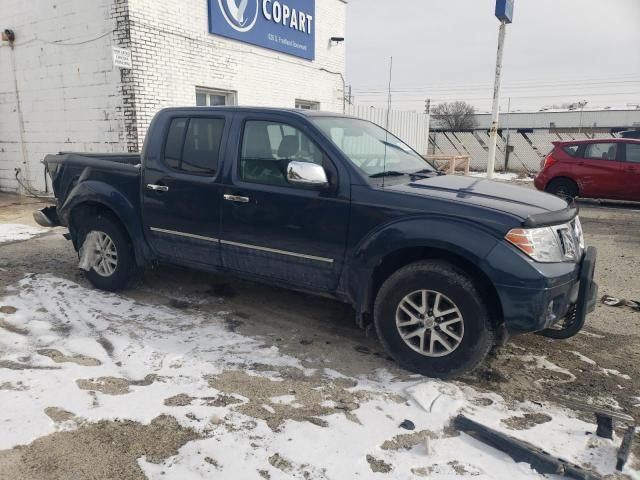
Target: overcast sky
(557,51)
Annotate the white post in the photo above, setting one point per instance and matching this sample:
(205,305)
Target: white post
(427,111)
(491,160)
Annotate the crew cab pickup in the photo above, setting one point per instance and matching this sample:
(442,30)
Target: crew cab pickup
(444,266)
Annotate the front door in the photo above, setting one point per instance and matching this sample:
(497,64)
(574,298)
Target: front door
(600,170)
(181,199)
(272,229)
(632,172)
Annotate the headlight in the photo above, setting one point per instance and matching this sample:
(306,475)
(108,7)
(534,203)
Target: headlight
(558,243)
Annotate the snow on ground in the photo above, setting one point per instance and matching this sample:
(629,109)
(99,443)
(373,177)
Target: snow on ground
(103,356)
(10,232)
(507,177)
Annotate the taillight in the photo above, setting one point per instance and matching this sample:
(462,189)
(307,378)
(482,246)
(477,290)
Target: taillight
(548,161)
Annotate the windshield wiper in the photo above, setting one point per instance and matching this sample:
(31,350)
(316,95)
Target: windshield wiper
(388,173)
(427,173)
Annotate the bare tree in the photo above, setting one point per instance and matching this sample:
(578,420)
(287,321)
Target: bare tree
(455,115)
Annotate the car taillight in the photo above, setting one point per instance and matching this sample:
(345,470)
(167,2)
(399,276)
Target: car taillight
(548,161)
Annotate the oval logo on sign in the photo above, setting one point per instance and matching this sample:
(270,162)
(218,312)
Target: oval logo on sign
(241,15)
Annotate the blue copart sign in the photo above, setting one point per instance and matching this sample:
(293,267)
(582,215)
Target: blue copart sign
(287,26)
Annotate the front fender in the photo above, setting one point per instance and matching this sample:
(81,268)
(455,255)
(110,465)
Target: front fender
(456,236)
(100,193)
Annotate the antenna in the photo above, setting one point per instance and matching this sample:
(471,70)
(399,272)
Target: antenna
(384,162)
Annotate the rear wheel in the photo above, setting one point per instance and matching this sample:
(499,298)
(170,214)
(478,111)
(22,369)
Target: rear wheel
(112,261)
(432,320)
(562,187)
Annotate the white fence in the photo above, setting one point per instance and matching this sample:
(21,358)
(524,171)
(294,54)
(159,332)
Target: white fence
(528,148)
(410,127)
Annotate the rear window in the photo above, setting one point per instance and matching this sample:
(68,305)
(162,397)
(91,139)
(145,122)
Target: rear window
(193,145)
(571,150)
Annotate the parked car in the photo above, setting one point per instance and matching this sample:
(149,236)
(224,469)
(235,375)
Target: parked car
(630,134)
(605,168)
(444,266)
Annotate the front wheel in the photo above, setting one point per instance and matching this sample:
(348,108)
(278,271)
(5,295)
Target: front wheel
(432,320)
(108,252)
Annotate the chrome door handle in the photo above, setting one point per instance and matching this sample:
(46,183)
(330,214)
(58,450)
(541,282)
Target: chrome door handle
(157,188)
(236,198)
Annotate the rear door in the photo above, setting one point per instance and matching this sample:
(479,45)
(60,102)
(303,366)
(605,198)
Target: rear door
(181,192)
(599,170)
(273,229)
(631,176)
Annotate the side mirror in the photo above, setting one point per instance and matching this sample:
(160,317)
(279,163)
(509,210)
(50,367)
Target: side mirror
(306,173)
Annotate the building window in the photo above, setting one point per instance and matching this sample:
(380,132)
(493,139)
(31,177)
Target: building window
(207,97)
(307,105)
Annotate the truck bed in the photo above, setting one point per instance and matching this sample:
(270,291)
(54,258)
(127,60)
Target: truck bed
(120,170)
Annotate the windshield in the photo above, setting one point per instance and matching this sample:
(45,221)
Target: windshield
(371,148)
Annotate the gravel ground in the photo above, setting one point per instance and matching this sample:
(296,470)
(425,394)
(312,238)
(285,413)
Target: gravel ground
(599,366)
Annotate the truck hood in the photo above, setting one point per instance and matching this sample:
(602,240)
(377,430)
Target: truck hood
(518,201)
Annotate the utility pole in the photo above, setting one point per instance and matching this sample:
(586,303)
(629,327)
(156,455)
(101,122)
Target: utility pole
(504,13)
(427,112)
(507,148)
(582,105)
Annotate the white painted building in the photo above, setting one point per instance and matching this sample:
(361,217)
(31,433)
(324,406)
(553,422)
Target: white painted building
(569,119)
(60,89)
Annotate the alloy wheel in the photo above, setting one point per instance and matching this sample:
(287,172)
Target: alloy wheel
(430,323)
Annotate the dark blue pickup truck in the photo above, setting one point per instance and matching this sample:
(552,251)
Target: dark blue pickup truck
(443,266)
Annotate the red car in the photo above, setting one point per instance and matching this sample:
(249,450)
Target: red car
(605,168)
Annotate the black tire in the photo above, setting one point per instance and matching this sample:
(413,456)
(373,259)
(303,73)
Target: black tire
(563,188)
(444,278)
(126,266)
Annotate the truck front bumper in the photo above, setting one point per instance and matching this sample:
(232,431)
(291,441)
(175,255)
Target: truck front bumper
(570,291)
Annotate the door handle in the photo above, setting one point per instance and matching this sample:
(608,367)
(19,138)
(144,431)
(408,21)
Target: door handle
(157,188)
(236,198)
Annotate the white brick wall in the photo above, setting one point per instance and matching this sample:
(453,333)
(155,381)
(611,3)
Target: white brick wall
(173,53)
(70,95)
(72,98)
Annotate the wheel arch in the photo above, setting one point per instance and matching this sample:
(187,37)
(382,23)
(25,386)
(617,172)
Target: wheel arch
(399,258)
(566,178)
(99,197)
(88,208)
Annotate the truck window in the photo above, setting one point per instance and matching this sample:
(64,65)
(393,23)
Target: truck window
(267,148)
(193,145)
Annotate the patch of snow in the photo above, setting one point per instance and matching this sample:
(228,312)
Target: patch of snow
(11,232)
(611,371)
(184,348)
(286,400)
(582,357)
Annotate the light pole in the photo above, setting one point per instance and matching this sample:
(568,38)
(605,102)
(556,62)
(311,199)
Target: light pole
(504,13)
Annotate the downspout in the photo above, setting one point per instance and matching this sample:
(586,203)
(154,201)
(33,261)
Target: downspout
(21,133)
